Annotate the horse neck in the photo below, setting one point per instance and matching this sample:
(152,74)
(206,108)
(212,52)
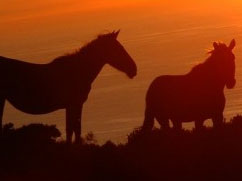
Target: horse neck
(91,65)
(205,74)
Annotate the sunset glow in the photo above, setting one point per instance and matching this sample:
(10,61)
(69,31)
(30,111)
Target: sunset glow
(164,37)
(120,90)
(18,9)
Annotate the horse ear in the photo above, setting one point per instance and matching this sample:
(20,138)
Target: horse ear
(215,45)
(116,34)
(232,44)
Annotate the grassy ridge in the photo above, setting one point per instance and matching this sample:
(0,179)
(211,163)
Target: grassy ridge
(31,153)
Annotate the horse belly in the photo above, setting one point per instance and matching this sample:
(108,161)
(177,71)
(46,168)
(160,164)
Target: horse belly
(31,108)
(38,89)
(187,109)
(34,104)
(171,98)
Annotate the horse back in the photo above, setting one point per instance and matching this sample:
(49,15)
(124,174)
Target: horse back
(15,72)
(40,88)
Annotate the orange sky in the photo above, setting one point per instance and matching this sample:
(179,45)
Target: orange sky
(39,30)
(19,9)
(37,15)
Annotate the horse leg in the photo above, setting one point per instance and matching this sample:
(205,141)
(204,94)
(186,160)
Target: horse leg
(199,124)
(73,123)
(164,123)
(149,120)
(77,124)
(177,125)
(218,120)
(2,102)
(69,125)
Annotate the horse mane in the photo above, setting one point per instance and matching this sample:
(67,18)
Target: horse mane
(199,67)
(208,62)
(83,49)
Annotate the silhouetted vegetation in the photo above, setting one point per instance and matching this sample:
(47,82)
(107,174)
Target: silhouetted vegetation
(32,153)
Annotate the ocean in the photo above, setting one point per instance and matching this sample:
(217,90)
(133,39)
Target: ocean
(160,43)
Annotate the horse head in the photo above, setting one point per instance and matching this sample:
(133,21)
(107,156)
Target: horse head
(225,61)
(114,54)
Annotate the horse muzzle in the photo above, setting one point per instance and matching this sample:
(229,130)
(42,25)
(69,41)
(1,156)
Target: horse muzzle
(230,84)
(132,75)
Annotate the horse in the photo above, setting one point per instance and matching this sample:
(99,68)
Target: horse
(195,96)
(63,83)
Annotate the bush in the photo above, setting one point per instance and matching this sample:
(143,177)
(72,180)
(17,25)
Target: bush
(33,133)
(207,154)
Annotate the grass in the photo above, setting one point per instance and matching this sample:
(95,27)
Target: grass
(32,153)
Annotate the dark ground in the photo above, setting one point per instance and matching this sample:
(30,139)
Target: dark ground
(32,153)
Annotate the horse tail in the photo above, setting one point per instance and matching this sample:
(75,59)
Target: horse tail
(148,120)
(149,111)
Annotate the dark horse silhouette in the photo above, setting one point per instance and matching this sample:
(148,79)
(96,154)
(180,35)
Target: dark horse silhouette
(195,96)
(63,83)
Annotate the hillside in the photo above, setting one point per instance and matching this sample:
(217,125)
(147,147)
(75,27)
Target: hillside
(32,153)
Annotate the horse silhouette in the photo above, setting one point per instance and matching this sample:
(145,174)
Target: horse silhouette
(195,96)
(63,83)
